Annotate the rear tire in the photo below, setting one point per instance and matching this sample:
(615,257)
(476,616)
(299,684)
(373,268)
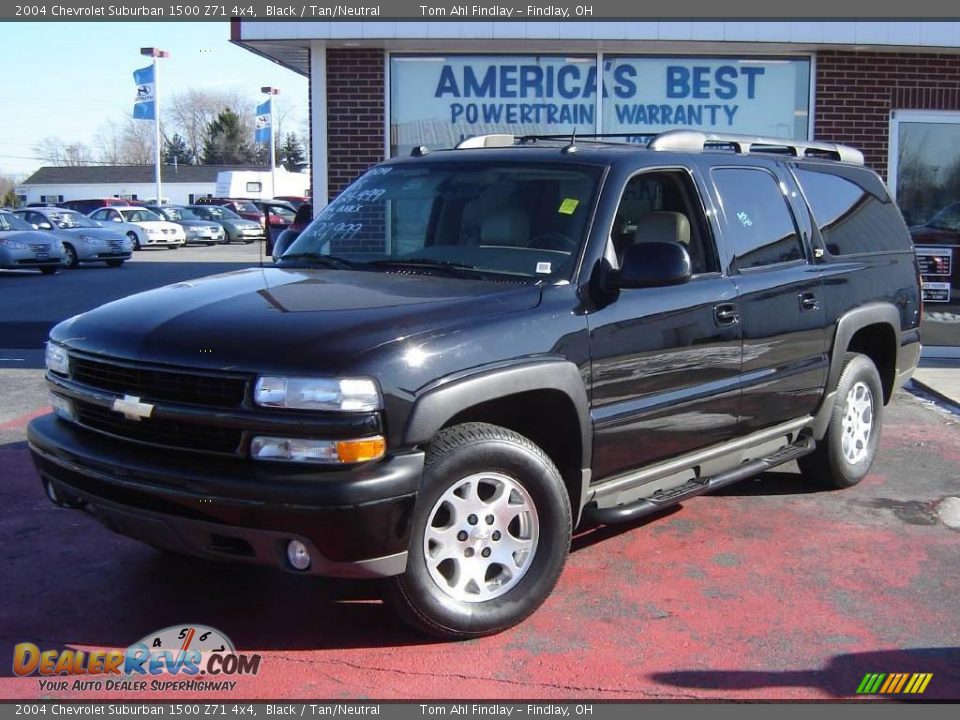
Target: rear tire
(135,239)
(844,456)
(488,494)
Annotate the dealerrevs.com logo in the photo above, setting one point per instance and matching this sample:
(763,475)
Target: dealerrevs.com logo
(180,657)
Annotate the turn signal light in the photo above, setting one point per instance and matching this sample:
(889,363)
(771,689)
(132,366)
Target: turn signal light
(354,451)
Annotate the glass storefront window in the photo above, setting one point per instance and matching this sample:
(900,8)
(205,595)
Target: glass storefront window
(925,176)
(747,96)
(439,100)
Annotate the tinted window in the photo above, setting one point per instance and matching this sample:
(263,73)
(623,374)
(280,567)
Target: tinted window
(854,214)
(759,225)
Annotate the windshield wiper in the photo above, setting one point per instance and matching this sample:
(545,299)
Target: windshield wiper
(331,261)
(452,268)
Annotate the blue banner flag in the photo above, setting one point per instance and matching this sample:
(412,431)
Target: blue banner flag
(144,107)
(263,124)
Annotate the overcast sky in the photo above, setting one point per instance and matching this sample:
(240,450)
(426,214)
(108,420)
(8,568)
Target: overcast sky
(67,79)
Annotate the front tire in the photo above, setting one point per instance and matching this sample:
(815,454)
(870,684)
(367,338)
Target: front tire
(70,258)
(490,535)
(844,456)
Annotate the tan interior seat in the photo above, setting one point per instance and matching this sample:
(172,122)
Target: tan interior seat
(663,226)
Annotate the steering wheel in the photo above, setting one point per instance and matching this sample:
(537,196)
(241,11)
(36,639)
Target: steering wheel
(552,241)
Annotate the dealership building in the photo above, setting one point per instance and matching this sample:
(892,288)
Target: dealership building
(379,89)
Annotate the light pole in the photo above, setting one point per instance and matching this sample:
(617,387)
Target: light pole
(156,53)
(268,90)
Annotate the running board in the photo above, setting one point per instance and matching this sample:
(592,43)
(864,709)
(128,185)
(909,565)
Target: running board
(673,496)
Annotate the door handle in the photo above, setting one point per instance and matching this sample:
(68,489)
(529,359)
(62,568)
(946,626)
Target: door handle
(808,301)
(726,314)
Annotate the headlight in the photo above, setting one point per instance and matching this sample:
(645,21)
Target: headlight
(13,244)
(318,451)
(350,394)
(88,240)
(57,359)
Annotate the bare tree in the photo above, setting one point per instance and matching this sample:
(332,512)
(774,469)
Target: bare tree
(55,151)
(191,112)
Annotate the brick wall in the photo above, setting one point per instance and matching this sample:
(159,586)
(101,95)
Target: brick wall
(355,114)
(856,91)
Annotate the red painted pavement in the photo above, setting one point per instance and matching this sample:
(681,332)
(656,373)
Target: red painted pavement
(767,590)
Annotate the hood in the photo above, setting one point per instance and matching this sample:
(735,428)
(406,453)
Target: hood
(98,233)
(926,234)
(284,320)
(159,225)
(31,236)
(198,223)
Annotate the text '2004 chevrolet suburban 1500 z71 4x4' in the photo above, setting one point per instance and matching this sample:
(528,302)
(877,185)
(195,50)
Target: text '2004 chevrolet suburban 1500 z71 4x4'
(470,352)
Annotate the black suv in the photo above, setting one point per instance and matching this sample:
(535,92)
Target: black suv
(470,352)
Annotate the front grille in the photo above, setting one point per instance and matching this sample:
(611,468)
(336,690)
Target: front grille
(159,385)
(167,231)
(159,431)
(39,247)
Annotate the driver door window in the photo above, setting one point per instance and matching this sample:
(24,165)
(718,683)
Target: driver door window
(664,206)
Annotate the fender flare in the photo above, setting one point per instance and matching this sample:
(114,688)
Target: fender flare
(444,399)
(847,326)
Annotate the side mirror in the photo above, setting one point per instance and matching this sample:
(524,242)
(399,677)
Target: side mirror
(653,264)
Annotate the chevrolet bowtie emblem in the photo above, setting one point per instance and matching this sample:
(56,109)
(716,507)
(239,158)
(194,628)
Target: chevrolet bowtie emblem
(132,408)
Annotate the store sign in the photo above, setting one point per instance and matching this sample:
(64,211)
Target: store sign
(936,267)
(437,101)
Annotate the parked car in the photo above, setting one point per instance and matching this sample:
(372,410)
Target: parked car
(470,352)
(144,227)
(88,206)
(279,216)
(84,241)
(22,247)
(197,230)
(235,228)
(286,237)
(295,200)
(242,207)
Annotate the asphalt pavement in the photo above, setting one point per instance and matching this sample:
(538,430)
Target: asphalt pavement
(769,589)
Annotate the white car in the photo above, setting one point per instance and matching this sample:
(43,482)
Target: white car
(143,226)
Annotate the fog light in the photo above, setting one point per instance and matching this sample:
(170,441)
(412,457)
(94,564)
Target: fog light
(298,555)
(62,407)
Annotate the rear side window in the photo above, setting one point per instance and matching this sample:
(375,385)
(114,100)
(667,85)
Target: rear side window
(759,226)
(854,212)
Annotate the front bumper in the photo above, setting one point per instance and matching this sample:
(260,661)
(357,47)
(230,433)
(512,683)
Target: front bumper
(355,521)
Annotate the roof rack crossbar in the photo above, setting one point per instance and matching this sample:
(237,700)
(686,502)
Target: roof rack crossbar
(694,140)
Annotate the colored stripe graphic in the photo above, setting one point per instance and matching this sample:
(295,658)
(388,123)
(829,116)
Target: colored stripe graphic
(894,683)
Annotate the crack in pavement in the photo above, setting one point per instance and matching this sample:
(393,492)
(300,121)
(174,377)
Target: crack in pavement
(483,678)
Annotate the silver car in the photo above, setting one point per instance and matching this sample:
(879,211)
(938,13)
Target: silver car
(84,241)
(22,247)
(200,231)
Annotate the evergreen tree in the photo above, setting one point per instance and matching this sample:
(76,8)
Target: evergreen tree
(176,152)
(291,154)
(227,142)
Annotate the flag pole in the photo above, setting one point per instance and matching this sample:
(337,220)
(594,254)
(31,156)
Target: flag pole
(271,91)
(156,53)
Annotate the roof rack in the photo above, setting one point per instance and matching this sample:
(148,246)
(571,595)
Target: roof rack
(688,141)
(697,141)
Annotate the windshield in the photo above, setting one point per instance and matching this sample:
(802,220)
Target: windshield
(246,206)
(9,221)
(66,219)
(947,219)
(214,212)
(139,215)
(176,214)
(521,219)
